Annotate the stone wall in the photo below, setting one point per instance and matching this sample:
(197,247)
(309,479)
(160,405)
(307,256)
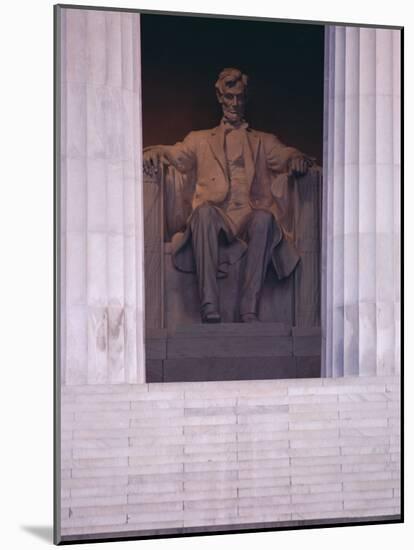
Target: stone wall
(188,455)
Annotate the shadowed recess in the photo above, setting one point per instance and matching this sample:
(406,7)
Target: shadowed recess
(181,59)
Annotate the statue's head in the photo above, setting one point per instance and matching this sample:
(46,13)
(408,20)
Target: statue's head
(231,90)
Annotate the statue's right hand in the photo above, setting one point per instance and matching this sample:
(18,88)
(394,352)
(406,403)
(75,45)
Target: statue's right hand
(151,161)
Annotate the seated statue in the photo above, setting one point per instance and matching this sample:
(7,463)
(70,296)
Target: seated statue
(238,205)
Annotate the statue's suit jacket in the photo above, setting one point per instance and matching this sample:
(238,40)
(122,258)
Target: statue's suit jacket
(201,156)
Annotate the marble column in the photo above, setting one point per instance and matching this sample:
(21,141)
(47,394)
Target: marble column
(361,202)
(101,198)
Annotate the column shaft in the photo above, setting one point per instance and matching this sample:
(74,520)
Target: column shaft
(102,197)
(361,219)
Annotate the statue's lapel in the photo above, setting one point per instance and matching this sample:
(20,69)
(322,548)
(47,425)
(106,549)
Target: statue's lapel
(216,142)
(253,142)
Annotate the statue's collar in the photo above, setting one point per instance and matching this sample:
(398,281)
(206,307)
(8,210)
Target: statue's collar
(227,125)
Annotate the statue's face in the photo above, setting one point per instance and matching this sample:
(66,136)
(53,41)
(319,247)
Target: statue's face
(233,102)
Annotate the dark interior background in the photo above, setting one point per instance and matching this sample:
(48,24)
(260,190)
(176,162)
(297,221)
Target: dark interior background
(182,57)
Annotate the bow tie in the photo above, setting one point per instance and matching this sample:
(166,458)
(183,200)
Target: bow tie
(228,126)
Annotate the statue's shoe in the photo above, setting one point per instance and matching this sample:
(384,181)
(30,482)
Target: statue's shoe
(210,315)
(249,318)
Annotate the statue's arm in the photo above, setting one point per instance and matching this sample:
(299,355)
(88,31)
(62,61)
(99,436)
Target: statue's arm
(284,159)
(181,155)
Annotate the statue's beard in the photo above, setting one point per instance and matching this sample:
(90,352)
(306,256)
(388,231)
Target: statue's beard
(233,115)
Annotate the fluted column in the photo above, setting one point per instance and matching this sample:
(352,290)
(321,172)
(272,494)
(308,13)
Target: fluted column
(102,227)
(361,212)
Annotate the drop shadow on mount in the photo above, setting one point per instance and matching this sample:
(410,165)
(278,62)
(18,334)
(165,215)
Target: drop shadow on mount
(43,532)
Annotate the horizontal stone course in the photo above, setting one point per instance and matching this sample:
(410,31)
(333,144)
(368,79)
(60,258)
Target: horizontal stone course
(155,456)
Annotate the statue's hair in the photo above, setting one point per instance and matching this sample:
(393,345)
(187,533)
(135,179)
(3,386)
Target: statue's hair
(228,78)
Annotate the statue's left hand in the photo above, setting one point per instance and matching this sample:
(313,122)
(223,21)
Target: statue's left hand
(300,164)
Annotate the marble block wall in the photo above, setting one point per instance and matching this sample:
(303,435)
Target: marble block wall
(361,202)
(138,458)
